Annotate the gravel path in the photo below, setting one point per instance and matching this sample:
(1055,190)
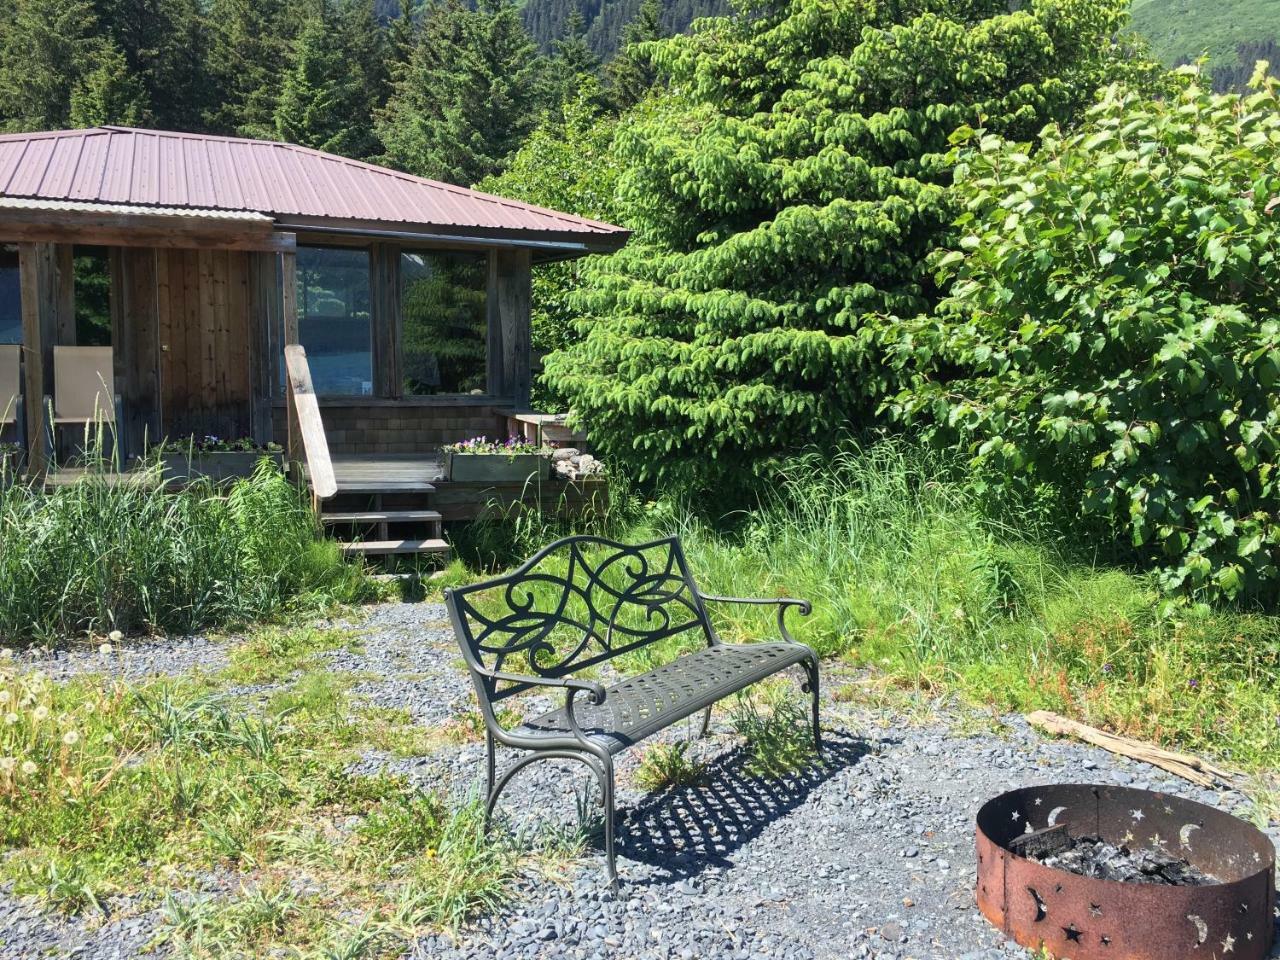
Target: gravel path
(868,856)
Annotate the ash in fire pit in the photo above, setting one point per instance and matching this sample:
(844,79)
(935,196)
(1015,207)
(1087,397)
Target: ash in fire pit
(1095,858)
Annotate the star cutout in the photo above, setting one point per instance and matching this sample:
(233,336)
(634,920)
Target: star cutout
(1229,944)
(1016,815)
(1137,814)
(1157,840)
(1039,800)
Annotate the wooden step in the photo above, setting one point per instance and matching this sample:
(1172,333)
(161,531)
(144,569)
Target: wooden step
(380,548)
(382,516)
(376,485)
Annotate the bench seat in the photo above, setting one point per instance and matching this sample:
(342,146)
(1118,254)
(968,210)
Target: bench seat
(642,705)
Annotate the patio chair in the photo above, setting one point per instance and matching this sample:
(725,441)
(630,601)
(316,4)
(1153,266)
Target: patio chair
(11,387)
(83,390)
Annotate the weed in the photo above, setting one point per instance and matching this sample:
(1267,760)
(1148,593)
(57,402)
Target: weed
(775,726)
(668,765)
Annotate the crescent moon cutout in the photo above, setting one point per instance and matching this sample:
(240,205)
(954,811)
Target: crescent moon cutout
(1053,815)
(1202,928)
(1184,835)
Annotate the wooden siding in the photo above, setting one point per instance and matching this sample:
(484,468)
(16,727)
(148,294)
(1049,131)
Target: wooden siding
(206,342)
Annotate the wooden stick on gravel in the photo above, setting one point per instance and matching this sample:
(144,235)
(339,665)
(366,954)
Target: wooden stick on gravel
(1184,765)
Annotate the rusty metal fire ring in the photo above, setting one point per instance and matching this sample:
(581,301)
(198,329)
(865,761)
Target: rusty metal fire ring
(1068,915)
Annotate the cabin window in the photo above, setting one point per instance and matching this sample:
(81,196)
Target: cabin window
(10,297)
(334,323)
(444,327)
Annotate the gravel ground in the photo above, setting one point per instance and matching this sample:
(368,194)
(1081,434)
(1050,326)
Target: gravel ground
(868,856)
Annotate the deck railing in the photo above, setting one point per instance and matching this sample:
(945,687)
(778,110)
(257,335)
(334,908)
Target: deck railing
(306,430)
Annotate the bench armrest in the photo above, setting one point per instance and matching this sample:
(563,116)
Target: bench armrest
(783,604)
(595,692)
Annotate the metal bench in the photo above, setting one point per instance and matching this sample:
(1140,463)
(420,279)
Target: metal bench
(582,602)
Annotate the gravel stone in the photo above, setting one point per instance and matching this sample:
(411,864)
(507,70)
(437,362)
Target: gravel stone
(868,855)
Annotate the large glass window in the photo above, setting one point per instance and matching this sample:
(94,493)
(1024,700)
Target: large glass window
(10,297)
(333,319)
(444,329)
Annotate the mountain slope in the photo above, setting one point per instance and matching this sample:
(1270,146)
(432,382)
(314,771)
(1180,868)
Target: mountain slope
(605,19)
(1234,33)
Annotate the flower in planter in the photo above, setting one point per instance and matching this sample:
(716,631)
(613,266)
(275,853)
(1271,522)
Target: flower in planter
(511,447)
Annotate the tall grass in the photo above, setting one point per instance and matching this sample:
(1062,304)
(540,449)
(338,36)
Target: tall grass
(914,571)
(100,554)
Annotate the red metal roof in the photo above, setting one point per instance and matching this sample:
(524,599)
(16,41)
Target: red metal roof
(122,165)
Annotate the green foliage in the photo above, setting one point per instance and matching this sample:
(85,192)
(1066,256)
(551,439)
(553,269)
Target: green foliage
(786,198)
(567,163)
(1113,327)
(772,718)
(326,97)
(109,93)
(630,75)
(467,95)
(1234,34)
(47,47)
(97,555)
(250,44)
(666,765)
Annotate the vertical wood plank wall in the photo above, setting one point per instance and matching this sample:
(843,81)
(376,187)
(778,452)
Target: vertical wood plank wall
(206,337)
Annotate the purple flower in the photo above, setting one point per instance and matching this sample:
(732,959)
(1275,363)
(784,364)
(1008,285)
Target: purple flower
(1106,668)
(1193,683)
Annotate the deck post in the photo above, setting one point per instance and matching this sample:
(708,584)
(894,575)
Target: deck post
(289,307)
(510,326)
(38,286)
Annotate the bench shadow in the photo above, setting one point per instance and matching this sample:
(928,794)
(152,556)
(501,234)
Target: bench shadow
(684,830)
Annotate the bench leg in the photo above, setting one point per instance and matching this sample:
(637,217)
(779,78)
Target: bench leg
(606,786)
(490,763)
(811,686)
(706,722)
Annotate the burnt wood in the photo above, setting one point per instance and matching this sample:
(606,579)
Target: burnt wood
(583,602)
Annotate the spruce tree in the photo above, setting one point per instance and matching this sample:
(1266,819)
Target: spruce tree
(571,61)
(630,75)
(468,95)
(787,196)
(109,93)
(324,100)
(249,51)
(47,47)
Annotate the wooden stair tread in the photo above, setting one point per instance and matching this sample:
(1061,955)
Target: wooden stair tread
(380,516)
(384,486)
(384,547)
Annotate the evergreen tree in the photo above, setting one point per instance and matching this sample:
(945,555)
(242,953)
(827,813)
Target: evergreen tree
(631,75)
(47,47)
(787,198)
(324,98)
(164,47)
(467,96)
(109,93)
(571,61)
(249,51)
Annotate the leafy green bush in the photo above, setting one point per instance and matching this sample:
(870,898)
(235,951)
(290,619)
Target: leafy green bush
(100,555)
(1114,327)
(786,194)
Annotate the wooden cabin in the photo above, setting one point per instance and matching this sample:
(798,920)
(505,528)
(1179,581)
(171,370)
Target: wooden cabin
(190,262)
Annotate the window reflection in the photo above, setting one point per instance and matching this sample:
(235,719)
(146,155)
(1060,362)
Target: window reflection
(444,329)
(10,297)
(334,319)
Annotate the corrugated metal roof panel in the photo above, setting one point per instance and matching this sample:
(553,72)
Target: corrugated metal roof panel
(152,167)
(82,206)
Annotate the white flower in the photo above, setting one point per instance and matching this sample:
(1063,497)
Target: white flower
(28,768)
(8,764)
(5,696)
(108,737)
(115,636)
(10,719)
(40,713)
(71,738)
(105,649)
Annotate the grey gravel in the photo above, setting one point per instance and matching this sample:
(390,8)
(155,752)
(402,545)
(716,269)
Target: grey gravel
(869,855)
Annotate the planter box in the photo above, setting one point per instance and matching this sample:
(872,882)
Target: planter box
(496,467)
(216,465)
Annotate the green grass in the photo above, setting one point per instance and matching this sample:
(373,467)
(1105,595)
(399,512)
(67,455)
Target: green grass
(665,765)
(94,556)
(916,574)
(111,787)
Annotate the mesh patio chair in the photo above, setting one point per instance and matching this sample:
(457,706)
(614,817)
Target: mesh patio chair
(83,390)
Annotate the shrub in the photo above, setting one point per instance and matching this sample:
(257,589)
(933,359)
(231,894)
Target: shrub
(97,554)
(785,195)
(668,765)
(775,724)
(1113,327)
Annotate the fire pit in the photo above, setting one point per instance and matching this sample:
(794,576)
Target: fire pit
(1090,872)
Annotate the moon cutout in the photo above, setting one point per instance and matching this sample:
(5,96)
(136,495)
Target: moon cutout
(1202,929)
(1053,815)
(1184,835)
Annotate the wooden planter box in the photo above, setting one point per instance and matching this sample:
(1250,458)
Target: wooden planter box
(496,467)
(216,465)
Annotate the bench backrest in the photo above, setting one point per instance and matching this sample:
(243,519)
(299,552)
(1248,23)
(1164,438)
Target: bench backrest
(579,602)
